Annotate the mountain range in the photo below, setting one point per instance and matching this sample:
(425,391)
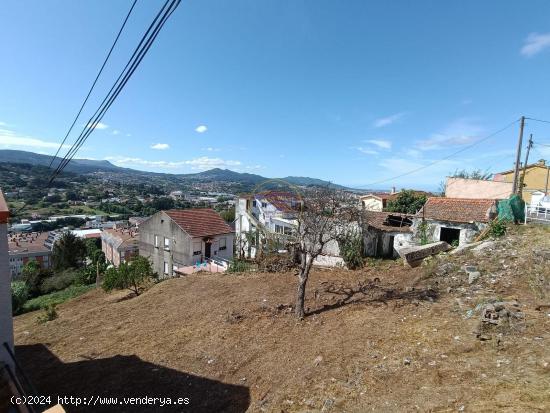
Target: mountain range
(216,175)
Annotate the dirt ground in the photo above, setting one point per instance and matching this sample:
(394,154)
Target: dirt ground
(385,338)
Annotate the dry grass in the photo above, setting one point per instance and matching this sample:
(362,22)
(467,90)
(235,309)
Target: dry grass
(399,343)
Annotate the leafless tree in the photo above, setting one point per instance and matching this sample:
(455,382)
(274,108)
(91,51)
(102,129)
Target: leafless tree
(324,215)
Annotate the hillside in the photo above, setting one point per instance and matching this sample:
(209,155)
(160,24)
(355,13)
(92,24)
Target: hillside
(220,180)
(384,338)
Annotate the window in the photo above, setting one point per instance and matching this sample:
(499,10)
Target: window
(223,244)
(156,241)
(254,203)
(167,244)
(278,229)
(165,267)
(197,248)
(264,204)
(287,230)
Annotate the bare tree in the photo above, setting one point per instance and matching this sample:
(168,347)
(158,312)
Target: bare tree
(324,216)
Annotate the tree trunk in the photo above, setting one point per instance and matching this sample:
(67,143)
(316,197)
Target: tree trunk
(97,275)
(302,281)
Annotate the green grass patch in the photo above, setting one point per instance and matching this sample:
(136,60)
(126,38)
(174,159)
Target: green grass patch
(55,298)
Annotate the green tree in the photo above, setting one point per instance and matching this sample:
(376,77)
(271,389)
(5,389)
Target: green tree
(68,252)
(132,275)
(406,202)
(228,215)
(33,276)
(19,295)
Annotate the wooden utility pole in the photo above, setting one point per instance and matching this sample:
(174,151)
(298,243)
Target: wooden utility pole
(529,145)
(518,155)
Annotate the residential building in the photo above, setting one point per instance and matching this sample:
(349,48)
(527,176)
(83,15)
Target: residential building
(6,320)
(376,201)
(477,188)
(264,213)
(26,247)
(120,245)
(537,177)
(385,233)
(454,220)
(182,237)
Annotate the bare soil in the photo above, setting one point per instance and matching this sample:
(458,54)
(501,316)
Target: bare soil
(385,338)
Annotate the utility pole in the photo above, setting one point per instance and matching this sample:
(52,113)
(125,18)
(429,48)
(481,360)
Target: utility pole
(518,155)
(547,176)
(529,146)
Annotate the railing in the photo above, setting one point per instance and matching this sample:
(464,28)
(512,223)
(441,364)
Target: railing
(537,213)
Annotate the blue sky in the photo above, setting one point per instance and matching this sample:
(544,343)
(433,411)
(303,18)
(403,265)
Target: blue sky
(354,92)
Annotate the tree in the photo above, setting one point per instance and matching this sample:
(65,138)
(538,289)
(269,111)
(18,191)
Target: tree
(132,275)
(475,174)
(325,215)
(162,203)
(33,276)
(228,215)
(68,252)
(407,202)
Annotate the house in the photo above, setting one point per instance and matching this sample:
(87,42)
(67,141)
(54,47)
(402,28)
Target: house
(536,178)
(120,245)
(136,221)
(23,248)
(384,233)
(264,214)
(6,320)
(182,237)
(454,220)
(477,188)
(376,201)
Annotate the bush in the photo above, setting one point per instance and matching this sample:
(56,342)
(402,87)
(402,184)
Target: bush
(239,266)
(351,250)
(60,281)
(57,297)
(50,314)
(132,275)
(19,295)
(497,228)
(33,276)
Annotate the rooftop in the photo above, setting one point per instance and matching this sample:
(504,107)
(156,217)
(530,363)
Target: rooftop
(199,222)
(27,242)
(4,211)
(389,221)
(122,236)
(459,209)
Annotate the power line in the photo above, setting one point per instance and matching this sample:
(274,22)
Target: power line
(94,83)
(134,61)
(444,158)
(539,120)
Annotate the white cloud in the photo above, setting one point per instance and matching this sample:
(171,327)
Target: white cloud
(211,149)
(99,126)
(381,143)
(11,139)
(160,146)
(462,131)
(201,129)
(535,43)
(366,151)
(388,120)
(3,124)
(201,163)
(115,132)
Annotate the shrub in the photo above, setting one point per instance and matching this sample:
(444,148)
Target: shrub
(19,295)
(497,228)
(59,281)
(33,276)
(57,297)
(239,266)
(50,314)
(132,275)
(351,250)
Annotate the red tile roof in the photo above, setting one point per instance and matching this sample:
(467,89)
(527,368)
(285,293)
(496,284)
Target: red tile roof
(459,209)
(199,222)
(283,201)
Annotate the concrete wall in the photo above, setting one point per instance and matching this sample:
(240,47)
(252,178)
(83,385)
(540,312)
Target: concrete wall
(372,203)
(378,243)
(535,179)
(6,319)
(477,189)
(468,232)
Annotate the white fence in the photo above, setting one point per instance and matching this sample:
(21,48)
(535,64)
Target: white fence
(537,214)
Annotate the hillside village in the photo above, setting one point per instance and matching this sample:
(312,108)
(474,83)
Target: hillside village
(407,247)
(274,207)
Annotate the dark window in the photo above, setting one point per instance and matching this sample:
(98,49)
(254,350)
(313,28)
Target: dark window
(449,235)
